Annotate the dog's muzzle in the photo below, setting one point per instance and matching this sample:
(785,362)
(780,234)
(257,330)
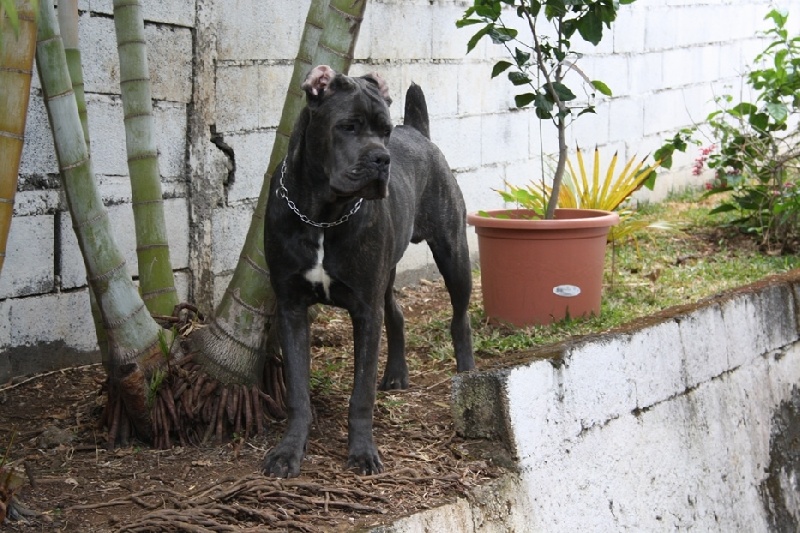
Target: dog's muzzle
(369,178)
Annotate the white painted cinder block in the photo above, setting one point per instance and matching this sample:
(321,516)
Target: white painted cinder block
(476,187)
(654,363)
(29,266)
(252,152)
(170,121)
(27,203)
(250,96)
(169,57)
(229,229)
(628,31)
(596,386)
(626,119)
(379,37)
(447,41)
(177,13)
(706,356)
(38,152)
(260,29)
(459,139)
(504,137)
(176,218)
(52,318)
(107,135)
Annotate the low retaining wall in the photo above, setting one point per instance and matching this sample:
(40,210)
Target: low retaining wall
(690,419)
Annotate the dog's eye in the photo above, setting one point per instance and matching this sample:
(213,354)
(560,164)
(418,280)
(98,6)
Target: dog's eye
(387,132)
(347,127)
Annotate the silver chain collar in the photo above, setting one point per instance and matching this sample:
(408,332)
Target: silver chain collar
(284,193)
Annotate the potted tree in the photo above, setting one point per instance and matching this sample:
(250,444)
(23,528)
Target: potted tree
(540,265)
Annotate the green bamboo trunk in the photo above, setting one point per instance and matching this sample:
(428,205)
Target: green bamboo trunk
(232,345)
(156,280)
(68,26)
(16,68)
(132,333)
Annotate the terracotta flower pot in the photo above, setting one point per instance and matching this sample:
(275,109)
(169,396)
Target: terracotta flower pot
(541,271)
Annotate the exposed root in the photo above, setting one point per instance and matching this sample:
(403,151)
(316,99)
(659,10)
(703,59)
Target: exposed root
(191,407)
(232,504)
(186,405)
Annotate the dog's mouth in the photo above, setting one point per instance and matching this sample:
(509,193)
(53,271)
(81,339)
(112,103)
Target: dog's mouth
(367,181)
(375,189)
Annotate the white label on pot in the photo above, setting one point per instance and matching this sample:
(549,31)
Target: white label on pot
(567,291)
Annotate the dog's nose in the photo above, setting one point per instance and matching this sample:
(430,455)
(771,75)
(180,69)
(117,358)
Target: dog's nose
(381,159)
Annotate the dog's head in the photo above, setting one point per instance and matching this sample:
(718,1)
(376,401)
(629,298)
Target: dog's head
(349,129)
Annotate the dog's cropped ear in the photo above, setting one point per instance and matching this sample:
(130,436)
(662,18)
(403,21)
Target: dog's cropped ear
(378,81)
(317,82)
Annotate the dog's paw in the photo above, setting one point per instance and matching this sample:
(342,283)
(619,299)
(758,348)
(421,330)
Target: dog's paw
(365,463)
(392,382)
(282,463)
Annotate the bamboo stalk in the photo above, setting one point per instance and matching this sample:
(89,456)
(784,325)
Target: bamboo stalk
(68,26)
(132,333)
(16,68)
(156,279)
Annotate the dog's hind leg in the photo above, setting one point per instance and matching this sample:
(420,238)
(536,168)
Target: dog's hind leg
(452,259)
(395,376)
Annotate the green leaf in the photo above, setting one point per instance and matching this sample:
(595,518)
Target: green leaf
(778,111)
(777,17)
(500,67)
(542,103)
(590,27)
(501,35)
(722,208)
(521,57)
(742,109)
(518,78)
(760,121)
(477,37)
(563,92)
(524,99)
(490,10)
(650,181)
(602,87)
(461,23)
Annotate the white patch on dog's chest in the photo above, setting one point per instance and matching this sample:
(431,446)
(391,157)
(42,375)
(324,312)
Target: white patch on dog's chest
(316,275)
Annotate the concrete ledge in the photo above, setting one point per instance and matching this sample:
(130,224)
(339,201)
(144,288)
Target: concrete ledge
(685,419)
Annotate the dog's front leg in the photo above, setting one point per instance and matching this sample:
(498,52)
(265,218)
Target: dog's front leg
(362,453)
(284,460)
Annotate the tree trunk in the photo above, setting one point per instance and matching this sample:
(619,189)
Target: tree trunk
(16,68)
(156,280)
(133,335)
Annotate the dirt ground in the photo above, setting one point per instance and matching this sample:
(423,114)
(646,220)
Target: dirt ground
(70,482)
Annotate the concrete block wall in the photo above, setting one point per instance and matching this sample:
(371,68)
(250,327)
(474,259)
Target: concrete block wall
(220,71)
(681,422)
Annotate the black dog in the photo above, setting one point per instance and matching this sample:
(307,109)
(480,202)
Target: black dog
(350,196)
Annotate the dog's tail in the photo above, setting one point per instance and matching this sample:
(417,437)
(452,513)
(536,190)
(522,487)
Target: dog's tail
(416,112)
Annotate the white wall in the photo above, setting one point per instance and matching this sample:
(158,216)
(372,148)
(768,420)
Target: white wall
(227,65)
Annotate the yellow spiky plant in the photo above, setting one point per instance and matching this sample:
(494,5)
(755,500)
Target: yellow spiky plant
(593,188)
